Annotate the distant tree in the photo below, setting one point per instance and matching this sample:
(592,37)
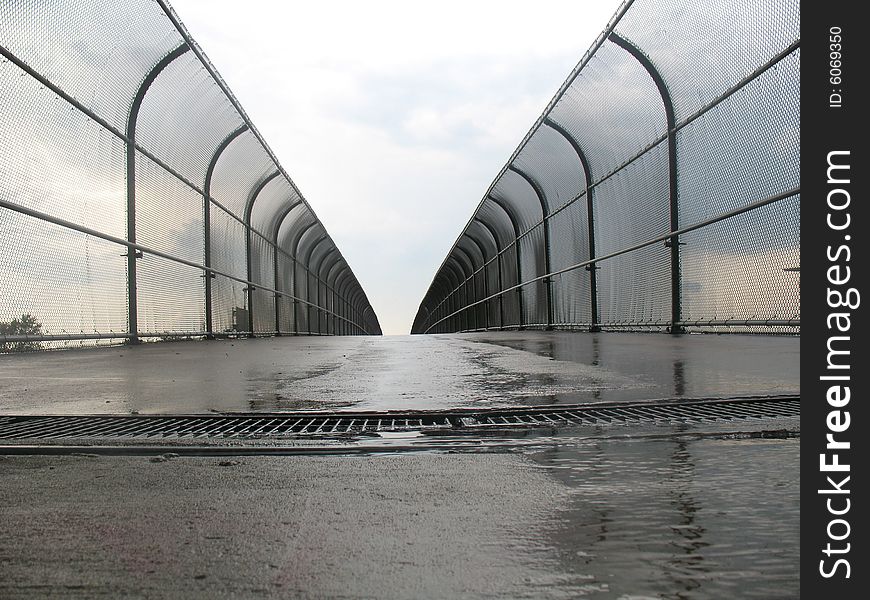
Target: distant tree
(26,325)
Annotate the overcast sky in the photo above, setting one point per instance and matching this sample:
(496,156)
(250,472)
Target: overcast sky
(393,117)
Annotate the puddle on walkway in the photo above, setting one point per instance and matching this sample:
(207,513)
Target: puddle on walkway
(439,372)
(677,518)
(395,372)
(661,366)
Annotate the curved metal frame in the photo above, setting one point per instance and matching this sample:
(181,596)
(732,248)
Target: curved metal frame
(294,254)
(331,287)
(482,270)
(469,278)
(325,285)
(545,219)
(443,285)
(498,254)
(460,276)
(341,280)
(280,221)
(308,276)
(132,120)
(206,197)
(516,225)
(590,219)
(449,302)
(249,209)
(674,245)
(356,302)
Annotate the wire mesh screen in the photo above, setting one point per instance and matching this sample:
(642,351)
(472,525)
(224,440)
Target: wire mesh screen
(137,199)
(171,297)
(263,274)
(660,188)
(532,264)
(571,289)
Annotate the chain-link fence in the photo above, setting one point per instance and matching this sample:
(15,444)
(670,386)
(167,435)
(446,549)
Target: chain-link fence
(659,190)
(137,200)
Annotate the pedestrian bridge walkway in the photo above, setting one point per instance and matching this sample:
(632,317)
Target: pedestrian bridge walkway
(477,371)
(601,400)
(658,191)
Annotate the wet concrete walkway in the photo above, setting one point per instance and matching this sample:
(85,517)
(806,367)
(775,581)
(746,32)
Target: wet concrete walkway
(685,515)
(697,511)
(401,372)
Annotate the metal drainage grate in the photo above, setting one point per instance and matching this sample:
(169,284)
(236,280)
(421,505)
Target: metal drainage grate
(283,425)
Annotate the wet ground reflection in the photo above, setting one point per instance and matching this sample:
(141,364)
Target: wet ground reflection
(677,518)
(661,366)
(396,372)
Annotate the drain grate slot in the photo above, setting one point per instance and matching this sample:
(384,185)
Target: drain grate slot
(283,425)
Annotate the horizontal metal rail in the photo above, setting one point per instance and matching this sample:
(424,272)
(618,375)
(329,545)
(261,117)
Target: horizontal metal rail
(775,60)
(146,250)
(795,322)
(284,425)
(661,238)
(68,337)
(48,84)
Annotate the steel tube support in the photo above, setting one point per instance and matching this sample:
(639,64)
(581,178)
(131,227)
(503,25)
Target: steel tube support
(545,216)
(280,221)
(206,219)
(278,297)
(249,209)
(295,254)
(482,270)
(471,317)
(309,275)
(498,258)
(453,298)
(674,242)
(516,225)
(132,255)
(590,219)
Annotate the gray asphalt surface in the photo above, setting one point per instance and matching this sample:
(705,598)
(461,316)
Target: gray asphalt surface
(669,516)
(400,372)
(416,525)
(618,513)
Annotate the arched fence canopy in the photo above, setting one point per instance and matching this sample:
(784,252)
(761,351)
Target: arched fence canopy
(646,196)
(159,210)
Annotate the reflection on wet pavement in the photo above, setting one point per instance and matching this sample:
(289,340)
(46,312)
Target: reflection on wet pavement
(662,366)
(438,372)
(671,518)
(399,372)
(628,512)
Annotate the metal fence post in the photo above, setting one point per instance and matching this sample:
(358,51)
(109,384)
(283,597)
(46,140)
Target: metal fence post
(590,220)
(471,318)
(309,275)
(453,300)
(545,216)
(206,197)
(674,242)
(249,209)
(331,294)
(516,226)
(498,259)
(295,296)
(294,254)
(500,288)
(323,304)
(278,223)
(277,296)
(132,255)
(482,271)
